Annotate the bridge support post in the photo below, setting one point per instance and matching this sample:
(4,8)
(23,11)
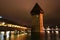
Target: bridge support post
(0,35)
(17,32)
(5,35)
(10,35)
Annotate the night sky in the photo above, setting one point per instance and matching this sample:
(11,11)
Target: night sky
(19,10)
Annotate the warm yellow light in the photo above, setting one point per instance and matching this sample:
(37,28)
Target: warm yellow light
(48,28)
(0,24)
(3,23)
(57,29)
(15,26)
(48,32)
(56,32)
(24,27)
(21,27)
(2,32)
(9,25)
(18,26)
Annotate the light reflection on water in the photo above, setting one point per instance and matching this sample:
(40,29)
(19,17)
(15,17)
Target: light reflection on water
(2,34)
(55,35)
(12,36)
(47,36)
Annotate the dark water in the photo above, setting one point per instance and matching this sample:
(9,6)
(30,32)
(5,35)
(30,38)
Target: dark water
(24,36)
(51,36)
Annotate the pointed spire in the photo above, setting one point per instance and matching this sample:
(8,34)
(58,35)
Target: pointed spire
(36,9)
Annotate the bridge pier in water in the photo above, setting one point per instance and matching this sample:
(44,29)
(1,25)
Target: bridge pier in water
(4,35)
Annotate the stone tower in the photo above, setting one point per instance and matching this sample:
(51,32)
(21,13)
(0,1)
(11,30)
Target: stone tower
(37,21)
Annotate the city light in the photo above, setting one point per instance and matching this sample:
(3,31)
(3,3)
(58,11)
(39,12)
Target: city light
(3,23)
(0,16)
(56,29)
(48,32)
(2,32)
(48,28)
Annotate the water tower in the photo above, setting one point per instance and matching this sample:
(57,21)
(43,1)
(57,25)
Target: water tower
(37,21)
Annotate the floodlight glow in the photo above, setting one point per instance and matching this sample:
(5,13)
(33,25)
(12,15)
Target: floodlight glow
(0,16)
(3,23)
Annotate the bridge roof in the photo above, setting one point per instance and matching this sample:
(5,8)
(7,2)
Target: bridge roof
(7,21)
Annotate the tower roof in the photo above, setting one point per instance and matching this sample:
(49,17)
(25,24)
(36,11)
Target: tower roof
(36,10)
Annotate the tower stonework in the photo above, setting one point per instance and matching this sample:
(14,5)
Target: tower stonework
(37,22)
(41,22)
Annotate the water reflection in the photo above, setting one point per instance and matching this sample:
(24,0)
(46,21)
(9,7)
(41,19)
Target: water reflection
(55,35)
(51,33)
(12,36)
(1,35)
